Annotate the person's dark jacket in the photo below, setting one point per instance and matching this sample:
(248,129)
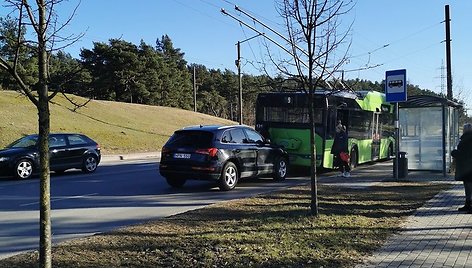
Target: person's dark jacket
(463,157)
(340,143)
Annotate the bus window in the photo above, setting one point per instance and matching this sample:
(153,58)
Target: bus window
(360,125)
(331,123)
(291,115)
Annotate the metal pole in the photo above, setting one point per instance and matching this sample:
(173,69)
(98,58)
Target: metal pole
(240,85)
(397,140)
(448,53)
(260,33)
(444,132)
(286,40)
(238,64)
(194,90)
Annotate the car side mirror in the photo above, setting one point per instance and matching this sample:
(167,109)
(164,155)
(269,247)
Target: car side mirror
(268,141)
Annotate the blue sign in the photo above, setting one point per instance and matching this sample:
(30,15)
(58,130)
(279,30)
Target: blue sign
(395,86)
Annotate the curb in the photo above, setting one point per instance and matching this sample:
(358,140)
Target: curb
(134,156)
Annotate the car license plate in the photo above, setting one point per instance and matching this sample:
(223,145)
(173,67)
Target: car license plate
(182,156)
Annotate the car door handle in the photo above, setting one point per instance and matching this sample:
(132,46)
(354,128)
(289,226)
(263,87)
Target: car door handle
(236,151)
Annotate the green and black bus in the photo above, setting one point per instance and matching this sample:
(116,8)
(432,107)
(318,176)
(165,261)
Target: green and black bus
(369,119)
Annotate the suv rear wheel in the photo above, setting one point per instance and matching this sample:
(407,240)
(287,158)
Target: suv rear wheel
(89,164)
(229,177)
(176,182)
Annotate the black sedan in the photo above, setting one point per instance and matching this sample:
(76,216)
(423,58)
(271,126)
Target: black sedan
(220,153)
(21,158)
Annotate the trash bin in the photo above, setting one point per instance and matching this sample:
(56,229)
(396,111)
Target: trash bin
(402,165)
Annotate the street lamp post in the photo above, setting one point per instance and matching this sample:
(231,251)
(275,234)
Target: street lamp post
(240,83)
(238,64)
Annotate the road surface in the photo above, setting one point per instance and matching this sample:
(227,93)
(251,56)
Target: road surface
(117,194)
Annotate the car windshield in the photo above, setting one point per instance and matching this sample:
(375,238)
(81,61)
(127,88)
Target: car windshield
(191,139)
(25,142)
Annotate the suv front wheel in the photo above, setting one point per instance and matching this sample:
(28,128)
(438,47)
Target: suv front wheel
(229,177)
(23,169)
(280,169)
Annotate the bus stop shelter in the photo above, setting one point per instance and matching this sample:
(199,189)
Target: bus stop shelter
(429,131)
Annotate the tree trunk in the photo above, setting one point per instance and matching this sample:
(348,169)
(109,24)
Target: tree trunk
(44,127)
(45,196)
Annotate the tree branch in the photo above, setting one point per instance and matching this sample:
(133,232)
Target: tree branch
(34,23)
(4,64)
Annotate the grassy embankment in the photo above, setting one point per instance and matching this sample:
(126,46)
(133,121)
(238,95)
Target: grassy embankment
(117,127)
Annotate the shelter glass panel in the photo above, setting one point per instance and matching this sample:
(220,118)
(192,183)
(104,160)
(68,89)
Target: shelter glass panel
(421,136)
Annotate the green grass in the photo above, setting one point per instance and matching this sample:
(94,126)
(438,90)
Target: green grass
(272,230)
(117,127)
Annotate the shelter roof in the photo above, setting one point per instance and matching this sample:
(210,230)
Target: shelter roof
(427,101)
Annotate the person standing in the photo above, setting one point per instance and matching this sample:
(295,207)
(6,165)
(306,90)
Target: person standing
(340,145)
(463,157)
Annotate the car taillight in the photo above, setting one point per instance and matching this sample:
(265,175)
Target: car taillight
(209,151)
(165,150)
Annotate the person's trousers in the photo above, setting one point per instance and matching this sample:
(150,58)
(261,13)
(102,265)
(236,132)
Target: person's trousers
(345,167)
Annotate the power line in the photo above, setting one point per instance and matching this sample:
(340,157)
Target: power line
(396,41)
(363,68)
(414,52)
(249,44)
(199,11)
(369,54)
(368,66)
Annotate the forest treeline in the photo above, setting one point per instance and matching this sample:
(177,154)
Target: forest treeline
(155,74)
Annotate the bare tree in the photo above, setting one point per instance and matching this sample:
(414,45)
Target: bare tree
(314,36)
(43,20)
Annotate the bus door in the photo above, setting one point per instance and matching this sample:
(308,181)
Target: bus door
(343,115)
(330,123)
(375,132)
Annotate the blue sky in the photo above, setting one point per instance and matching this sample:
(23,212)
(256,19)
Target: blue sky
(413,31)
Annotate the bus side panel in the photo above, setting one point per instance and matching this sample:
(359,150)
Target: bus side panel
(364,148)
(297,143)
(328,158)
(384,145)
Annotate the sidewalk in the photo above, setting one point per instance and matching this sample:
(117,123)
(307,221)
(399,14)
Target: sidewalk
(436,235)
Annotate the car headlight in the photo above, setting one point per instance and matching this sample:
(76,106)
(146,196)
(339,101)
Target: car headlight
(4,158)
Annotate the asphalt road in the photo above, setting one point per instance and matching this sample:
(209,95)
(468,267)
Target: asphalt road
(117,194)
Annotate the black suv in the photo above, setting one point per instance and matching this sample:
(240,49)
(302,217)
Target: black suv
(221,153)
